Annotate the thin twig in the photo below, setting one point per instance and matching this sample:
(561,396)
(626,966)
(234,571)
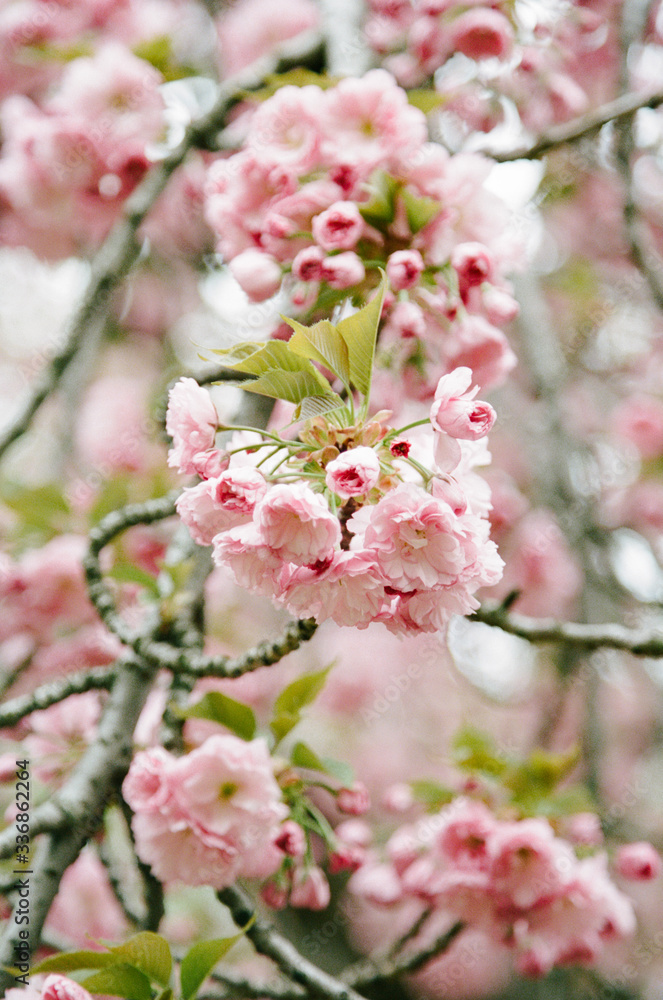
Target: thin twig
(621,109)
(366,973)
(267,941)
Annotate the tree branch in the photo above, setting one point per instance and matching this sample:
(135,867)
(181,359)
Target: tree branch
(638,642)
(80,804)
(619,110)
(366,973)
(267,941)
(97,679)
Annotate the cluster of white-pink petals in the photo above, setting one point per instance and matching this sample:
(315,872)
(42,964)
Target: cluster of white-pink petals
(210,816)
(535,61)
(515,879)
(69,162)
(332,183)
(370,544)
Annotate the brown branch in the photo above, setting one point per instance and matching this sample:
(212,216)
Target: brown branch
(619,110)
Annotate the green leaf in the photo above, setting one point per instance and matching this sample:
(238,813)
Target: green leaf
(321,342)
(431,794)
(281,374)
(72,961)
(201,959)
(419,210)
(340,770)
(293,699)
(120,981)
(301,692)
(426,100)
(298,77)
(380,209)
(40,508)
(148,952)
(475,751)
(315,406)
(303,756)
(360,332)
(218,707)
(539,775)
(282,723)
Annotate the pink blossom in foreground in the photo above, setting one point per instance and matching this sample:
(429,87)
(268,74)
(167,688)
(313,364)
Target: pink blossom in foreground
(353,473)
(210,816)
(257,274)
(220,503)
(57,987)
(339,227)
(296,524)
(191,421)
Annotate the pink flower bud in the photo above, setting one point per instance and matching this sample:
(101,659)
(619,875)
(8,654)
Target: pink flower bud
(473,264)
(258,274)
(291,839)
(307,265)
(310,889)
(58,987)
(353,473)
(274,895)
(481,34)
(339,227)
(639,861)
(404,268)
(354,800)
(342,271)
(456,412)
(346,858)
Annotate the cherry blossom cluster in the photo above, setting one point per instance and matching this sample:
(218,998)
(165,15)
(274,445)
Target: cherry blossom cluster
(488,52)
(332,184)
(69,162)
(515,879)
(355,524)
(38,40)
(210,816)
(218,813)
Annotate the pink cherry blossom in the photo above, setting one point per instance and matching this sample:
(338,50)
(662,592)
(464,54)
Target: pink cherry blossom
(343,270)
(354,800)
(57,987)
(221,503)
(481,34)
(285,131)
(412,538)
(216,818)
(353,473)
(456,412)
(310,889)
(528,863)
(191,422)
(296,524)
(339,227)
(257,274)
(404,268)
